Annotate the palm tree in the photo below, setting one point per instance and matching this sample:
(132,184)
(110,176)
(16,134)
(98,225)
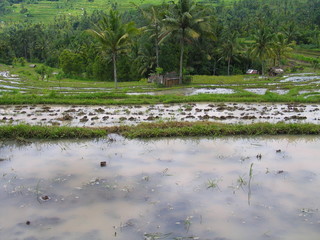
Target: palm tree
(230,47)
(262,48)
(114,37)
(186,20)
(281,48)
(154,18)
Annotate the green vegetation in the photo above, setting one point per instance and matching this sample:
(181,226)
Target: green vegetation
(54,89)
(155,130)
(124,99)
(20,132)
(46,10)
(114,37)
(176,129)
(185,36)
(81,47)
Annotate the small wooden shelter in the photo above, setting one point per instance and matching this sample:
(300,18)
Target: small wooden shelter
(168,79)
(275,71)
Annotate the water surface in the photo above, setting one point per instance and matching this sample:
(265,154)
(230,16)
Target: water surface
(199,188)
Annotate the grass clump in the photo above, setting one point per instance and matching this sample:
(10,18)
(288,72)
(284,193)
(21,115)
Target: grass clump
(181,129)
(48,132)
(161,129)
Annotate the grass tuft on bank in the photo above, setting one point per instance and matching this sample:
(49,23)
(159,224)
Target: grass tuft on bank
(156,130)
(22,131)
(182,129)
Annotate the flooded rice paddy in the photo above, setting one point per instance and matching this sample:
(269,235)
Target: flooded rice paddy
(99,116)
(9,82)
(192,188)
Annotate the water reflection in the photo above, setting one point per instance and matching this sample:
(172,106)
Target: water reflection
(168,188)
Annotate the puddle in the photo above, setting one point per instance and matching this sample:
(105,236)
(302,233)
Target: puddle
(78,115)
(187,91)
(300,78)
(212,91)
(280,91)
(11,87)
(161,189)
(259,91)
(5,74)
(11,82)
(309,91)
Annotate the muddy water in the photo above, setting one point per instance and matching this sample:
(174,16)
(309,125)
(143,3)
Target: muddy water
(226,188)
(115,115)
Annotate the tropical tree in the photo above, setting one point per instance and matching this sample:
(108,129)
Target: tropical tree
(154,16)
(114,37)
(230,47)
(187,21)
(281,48)
(262,48)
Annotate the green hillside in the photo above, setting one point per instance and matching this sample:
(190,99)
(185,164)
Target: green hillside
(44,11)
(218,37)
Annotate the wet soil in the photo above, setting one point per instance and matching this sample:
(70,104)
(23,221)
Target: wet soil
(115,115)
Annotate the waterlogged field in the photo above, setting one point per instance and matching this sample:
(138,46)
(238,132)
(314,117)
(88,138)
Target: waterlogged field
(25,80)
(297,88)
(203,188)
(102,116)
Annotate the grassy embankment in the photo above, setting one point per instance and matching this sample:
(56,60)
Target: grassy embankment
(305,58)
(154,130)
(123,99)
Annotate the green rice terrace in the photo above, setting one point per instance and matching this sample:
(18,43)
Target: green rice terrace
(46,11)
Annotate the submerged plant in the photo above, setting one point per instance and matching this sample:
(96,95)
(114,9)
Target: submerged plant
(154,236)
(241,182)
(213,183)
(187,223)
(249,184)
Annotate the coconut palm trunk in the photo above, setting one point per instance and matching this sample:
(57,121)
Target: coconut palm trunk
(114,60)
(157,52)
(229,63)
(181,61)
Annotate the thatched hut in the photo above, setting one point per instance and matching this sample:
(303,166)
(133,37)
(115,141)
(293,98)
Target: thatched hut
(168,79)
(275,71)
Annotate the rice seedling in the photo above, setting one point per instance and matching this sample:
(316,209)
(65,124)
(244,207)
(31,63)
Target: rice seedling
(249,183)
(213,183)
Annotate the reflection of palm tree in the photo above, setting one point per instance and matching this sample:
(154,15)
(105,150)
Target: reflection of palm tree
(230,48)
(262,46)
(186,21)
(114,37)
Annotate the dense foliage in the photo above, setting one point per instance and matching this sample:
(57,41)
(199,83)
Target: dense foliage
(248,34)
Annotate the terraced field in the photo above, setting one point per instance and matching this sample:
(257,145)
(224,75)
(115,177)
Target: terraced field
(44,11)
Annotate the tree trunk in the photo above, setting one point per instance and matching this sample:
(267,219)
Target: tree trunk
(157,46)
(181,60)
(214,67)
(229,61)
(157,52)
(114,59)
